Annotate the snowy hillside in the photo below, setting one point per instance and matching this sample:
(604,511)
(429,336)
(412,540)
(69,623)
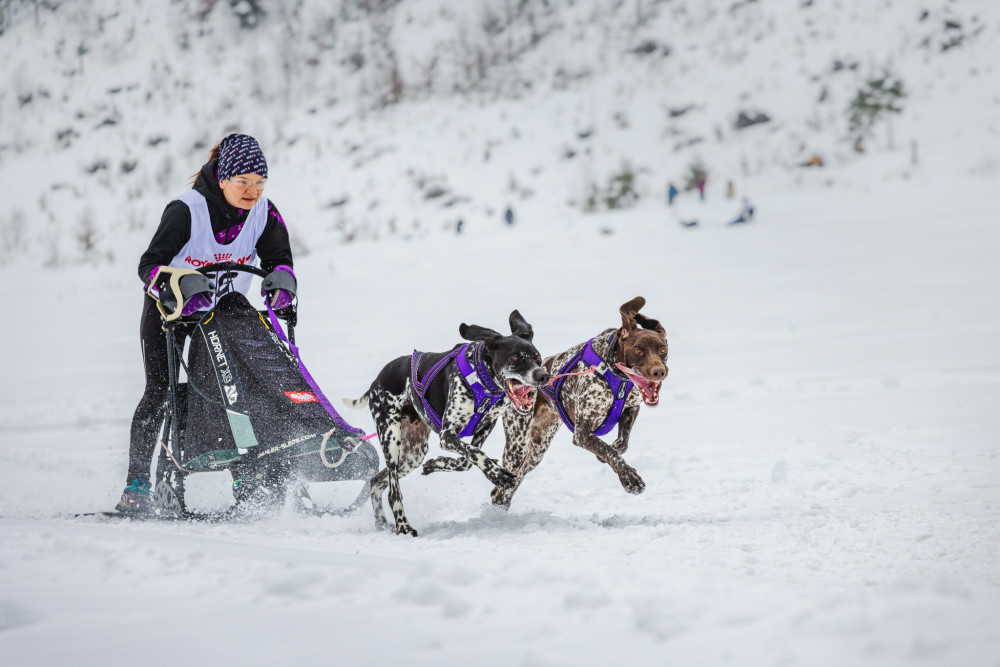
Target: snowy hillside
(385,118)
(823,470)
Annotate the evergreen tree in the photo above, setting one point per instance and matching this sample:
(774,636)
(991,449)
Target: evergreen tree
(877,98)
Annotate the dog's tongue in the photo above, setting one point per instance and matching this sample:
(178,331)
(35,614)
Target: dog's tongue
(632,375)
(650,390)
(520,394)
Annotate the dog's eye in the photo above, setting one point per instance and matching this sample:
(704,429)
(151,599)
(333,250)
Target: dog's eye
(638,351)
(516,356)
(663,350)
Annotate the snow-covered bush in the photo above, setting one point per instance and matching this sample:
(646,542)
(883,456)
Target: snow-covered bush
(618,193)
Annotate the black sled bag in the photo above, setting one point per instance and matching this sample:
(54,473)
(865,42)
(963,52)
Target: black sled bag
(251,404)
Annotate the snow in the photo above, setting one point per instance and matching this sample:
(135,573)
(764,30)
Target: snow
(823,470)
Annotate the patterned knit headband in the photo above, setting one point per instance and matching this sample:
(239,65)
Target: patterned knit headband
(240,154)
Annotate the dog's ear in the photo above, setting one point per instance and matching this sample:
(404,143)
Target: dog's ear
(476,332)
(520,327)
(629,310)
(650,323)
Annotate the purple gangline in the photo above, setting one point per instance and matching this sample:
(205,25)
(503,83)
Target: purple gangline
(323,400)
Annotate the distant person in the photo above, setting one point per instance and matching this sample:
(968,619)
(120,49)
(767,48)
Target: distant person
(683,213)
(746,214)
(700,184)
(671,193)
(730,190)
(509,216)
(223,215)
(458,226)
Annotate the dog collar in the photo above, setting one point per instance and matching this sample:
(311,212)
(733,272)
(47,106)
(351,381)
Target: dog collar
(611,342)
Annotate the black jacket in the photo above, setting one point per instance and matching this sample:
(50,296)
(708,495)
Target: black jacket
(174,231)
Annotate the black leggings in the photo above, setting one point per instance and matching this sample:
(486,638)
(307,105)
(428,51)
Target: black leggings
(148,417)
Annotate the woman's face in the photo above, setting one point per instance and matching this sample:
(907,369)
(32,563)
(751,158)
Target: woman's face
(244,190)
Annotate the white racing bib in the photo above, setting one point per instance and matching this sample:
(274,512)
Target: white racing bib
(202,249)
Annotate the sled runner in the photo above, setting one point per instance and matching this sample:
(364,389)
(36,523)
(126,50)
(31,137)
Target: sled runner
(248,405)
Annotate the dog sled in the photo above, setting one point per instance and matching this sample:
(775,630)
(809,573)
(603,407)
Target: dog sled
(248,405)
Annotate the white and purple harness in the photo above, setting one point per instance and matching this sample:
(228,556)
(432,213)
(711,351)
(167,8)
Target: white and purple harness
(620,387)
(476,376)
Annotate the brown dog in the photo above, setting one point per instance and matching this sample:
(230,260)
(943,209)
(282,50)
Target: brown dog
(631,367)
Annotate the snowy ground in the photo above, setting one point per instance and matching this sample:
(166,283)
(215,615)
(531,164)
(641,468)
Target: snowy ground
(823,471)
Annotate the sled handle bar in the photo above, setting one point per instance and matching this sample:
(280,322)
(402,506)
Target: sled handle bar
(222,267)
(175,277)
(290,317)
(232,266)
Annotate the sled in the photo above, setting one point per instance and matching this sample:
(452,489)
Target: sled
(249,406)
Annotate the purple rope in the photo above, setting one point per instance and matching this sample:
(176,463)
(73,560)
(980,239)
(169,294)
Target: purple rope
(320,396)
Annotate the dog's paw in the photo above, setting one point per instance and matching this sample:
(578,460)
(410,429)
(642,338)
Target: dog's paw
(620,445)
(501,497)
(631,481)
(406,529)
(432,466)
(503,479)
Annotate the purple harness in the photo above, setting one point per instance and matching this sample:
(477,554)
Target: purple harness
(619,387)
(475,375)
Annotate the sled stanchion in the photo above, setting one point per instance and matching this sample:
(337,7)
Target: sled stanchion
(291,321)
(169,498)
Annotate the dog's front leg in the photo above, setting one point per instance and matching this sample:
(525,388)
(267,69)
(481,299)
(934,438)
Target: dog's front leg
(625,423)
(631,482)
(446,464)
(528,438)
(461,463)
(477,457)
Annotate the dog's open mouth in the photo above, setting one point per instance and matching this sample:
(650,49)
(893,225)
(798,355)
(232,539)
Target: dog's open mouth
(650,390)
(520,394)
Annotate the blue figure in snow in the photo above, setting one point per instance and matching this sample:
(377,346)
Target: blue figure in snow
(671,193)
(509,216)
(746,215)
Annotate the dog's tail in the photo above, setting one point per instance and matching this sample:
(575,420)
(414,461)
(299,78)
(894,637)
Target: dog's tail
(357,403)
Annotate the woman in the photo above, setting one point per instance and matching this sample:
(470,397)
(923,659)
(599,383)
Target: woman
(223,217)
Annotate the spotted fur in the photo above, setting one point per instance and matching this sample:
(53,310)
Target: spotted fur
(404,427)
(587,400)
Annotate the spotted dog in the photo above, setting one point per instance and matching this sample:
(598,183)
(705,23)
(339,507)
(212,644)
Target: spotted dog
(456,394)
(592,405)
